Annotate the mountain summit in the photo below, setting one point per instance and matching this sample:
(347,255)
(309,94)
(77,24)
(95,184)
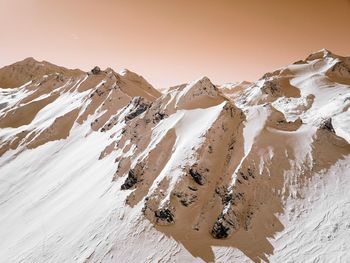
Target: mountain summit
(100,166)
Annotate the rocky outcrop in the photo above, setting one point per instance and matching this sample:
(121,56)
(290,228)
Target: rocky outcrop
(327,125)
(340,72)
(130,181)
(138,106)
(96,70)
(225,225)
(165,216)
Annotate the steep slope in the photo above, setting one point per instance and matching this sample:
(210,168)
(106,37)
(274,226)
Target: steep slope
(100,166)
(47,107)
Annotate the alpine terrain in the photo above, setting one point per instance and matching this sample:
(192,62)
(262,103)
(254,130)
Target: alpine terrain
(100,166)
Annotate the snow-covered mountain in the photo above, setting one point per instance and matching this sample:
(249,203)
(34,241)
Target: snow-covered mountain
(101,167)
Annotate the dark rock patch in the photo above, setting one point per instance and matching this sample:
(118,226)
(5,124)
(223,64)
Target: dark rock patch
(244,176)
(220,230)
(197,177)
(327,125)
(250,173)
(130,181)
(3,105)
(192,188)
(96,70)
(164,215)
(158,116)
(223,193)
(185,199)
(139,106)
(134,176)
(225,225)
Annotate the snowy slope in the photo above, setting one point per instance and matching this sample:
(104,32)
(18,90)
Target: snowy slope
(101,167)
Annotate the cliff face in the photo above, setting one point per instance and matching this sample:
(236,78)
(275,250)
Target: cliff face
(100,166)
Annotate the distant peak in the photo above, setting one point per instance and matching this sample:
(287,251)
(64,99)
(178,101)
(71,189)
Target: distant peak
(204,79)
(128,74)
(322,53)
(235,84)
(29,59)
(123,71)
(325,51)
(202,82)
(132,76)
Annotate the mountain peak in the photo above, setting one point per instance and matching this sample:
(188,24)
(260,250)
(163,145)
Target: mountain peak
(200,93)
(101,164)
(323,53)
(29,60)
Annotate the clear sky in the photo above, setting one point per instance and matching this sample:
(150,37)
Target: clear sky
(173,41)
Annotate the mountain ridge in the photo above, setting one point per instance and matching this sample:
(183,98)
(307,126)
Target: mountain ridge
(103,167)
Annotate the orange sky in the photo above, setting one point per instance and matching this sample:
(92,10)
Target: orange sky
(174,41)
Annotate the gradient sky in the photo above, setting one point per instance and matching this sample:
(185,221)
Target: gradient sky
(172,42)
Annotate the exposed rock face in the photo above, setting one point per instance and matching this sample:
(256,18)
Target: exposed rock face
(139,105)
(100,94)
(197,177)
(96,70)
(327,125)
(130,181)
(225,225)
(134,176)
(165,216)
(270,88)
(111,166)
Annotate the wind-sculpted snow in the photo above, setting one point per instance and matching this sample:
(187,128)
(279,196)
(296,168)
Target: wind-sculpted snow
(101,167)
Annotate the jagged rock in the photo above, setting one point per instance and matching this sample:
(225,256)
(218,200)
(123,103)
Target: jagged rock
(133,177)
(270,75)
(299,62)
(197,177)
(130,181)
(250,172)
(139,106)
(96,70)
(225,225)
(158,116)
(164,215)
(243,176)
(220,230)
(192,188)
(185,199)
(270,88)
(323,53)
(227,199)
(327,125)
(225,196)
